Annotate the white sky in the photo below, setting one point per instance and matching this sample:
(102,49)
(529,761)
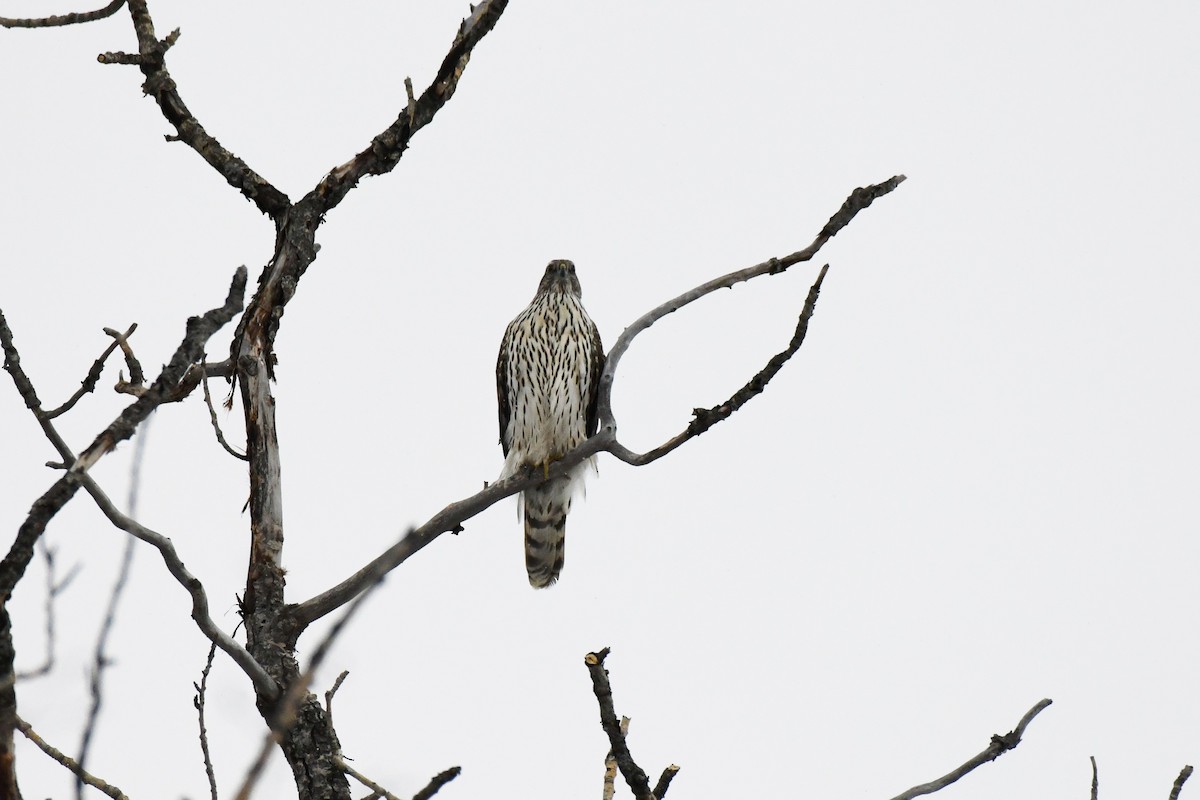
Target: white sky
(974,487)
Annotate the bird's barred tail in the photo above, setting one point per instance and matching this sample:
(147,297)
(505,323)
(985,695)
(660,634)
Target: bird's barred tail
(546,508)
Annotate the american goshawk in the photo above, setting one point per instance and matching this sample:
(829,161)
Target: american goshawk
(546,381)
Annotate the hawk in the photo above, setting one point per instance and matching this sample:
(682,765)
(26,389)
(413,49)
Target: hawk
(547,377)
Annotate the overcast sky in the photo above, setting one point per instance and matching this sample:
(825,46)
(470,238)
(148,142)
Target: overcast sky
(974,487)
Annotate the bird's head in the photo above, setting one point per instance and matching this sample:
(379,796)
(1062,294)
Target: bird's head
(560,277)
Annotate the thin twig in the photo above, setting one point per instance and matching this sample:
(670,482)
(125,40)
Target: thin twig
(64,19)
(437,782)
(54,588)
(198,702)
(999,746)
(1184,774)
(1095,778)
(212,415)
(337,684)
(161,86)
(100,661)
(858,200)
(385,150)
(68,762)
(88,384)
(339,760)
(378,790)
(136,375)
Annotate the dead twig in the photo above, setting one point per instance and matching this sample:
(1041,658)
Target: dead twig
(664,781)
(159,84)
(375,788)
(212,416)
(1184,774)
(999,746)
(198,702)
(68,762)
(54,588)
(858,200)
(60,20)
(88,384)
(100,661)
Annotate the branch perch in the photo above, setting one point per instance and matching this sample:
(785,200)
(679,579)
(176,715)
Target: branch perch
(452,516)
(1184,774)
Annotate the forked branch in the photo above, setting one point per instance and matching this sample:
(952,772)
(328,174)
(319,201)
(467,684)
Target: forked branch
(635,776)
(150,58)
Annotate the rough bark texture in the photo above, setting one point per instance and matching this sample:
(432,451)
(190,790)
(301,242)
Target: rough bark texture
(308,741)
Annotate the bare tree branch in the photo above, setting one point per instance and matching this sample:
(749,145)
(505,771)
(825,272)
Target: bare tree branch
(339,759)
(706,418)
(664,781)
(437,782)
(634,775)
(100,661)
(93,376)
(54,588)
(212,416)
(386,149)
(447,520)
(999,746)
(14,563)
(1095,778)
(136,376)
(375,788)
(858,200)
(68,762)
(160,86)
(199,330)
(610,765)
(1184,774)
(73,18)
(198,702)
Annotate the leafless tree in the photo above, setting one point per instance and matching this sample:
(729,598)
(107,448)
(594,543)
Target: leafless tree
(296,721)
